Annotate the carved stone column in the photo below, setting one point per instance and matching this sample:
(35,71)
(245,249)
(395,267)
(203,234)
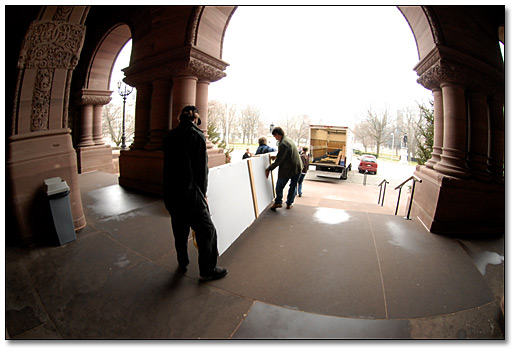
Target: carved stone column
(184,93)
(142,116)
(161,113)
(191,70)
(497,145)
(202,105)
(97,129)
(92,102)
(454,150)
(87,113)
(216,155)
(478,136)
(93,153)
(455,195)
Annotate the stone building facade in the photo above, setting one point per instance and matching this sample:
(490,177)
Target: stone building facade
(58,65)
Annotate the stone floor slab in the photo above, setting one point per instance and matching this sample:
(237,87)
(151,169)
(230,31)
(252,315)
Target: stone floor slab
(425,274)
(311,259)
(98,289)
(266,321)
(325,269)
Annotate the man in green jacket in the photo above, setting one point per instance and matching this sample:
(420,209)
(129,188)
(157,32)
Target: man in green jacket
(290,166)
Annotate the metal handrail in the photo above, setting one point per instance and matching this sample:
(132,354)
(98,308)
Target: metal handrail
(400,187)
(382,186)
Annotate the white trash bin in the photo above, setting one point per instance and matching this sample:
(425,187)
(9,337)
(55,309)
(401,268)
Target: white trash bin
(58,194)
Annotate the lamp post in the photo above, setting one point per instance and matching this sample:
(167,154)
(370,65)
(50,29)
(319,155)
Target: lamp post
(123,90)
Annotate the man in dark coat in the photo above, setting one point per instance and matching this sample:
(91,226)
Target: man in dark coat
(185,182)
(305,167)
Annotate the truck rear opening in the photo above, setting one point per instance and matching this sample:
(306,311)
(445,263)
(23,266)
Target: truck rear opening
(331,151)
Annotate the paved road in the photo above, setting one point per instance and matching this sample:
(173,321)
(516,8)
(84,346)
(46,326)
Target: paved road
(394,172)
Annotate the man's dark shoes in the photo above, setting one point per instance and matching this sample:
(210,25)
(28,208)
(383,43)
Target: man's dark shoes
(182,269)
(218,273)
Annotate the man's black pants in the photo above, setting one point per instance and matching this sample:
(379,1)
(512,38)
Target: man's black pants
(205,235)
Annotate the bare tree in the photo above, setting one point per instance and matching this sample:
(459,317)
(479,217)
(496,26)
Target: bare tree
(413,122)
(113,122)
(361,132)
(412,125)
(301,128)
(289,127)
(217,115)
(378,126)
(249,122)
(223,117)
(231,112)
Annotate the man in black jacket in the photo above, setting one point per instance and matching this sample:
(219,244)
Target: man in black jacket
(185,182)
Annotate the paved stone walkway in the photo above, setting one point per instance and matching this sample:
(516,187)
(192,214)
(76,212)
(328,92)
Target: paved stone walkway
(336,266)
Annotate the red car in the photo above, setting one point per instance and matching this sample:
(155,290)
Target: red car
(368,163)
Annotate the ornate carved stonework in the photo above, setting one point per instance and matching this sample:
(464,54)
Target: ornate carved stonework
(196,14)
(49,46)
(52,45)
(198,68)
(63,13)
(94,97)
(41,100)
(440,72)
(434,24)
(444,65)
(185,61)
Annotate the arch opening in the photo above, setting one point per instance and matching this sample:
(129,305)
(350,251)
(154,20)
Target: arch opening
(101,122)
(322,70)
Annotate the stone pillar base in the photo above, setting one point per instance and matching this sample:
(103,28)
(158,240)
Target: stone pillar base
(449,205)
(216,157)
(95,158)
(33,158)
(143,169)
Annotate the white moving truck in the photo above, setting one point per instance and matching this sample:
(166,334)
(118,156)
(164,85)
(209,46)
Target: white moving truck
(331,150)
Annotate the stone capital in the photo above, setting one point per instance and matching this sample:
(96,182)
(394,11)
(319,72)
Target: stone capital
(94,97)
(183,61)
(445,65)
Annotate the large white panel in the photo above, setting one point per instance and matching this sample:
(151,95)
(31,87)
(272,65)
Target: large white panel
(263,186)
(230,201)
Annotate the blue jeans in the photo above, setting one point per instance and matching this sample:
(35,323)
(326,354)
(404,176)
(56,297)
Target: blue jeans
(300,183)
(280,184)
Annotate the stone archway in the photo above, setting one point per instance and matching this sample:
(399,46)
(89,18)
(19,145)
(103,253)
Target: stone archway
(169,76)
(93,153)
(463,183)
(177,53)
(39,144)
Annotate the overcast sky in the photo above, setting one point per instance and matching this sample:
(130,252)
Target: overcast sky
(331,63)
